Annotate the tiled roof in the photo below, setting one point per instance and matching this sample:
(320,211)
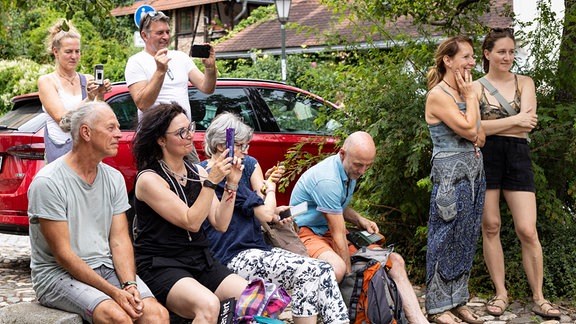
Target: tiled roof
(160,5)
(309,13)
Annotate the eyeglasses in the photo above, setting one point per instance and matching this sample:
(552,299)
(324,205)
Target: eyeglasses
(151,16)
(184,132)
(243,147)
(503,30)
(170,75)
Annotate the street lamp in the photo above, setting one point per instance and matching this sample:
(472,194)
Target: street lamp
(283,9)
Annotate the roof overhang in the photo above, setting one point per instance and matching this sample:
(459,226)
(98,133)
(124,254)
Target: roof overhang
(160,5)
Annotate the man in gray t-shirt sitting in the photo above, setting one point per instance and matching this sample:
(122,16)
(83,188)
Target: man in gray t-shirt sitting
(82,258)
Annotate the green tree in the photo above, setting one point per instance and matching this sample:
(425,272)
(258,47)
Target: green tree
(566,85)
(383,92)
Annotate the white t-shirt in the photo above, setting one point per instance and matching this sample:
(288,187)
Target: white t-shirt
(57,193)
(141,67)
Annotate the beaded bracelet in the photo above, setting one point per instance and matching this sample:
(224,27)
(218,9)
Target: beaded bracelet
(129,283)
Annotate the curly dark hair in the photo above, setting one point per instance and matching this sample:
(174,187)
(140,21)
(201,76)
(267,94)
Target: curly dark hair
(153,125)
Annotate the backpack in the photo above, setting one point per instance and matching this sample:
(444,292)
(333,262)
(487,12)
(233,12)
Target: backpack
(370,294)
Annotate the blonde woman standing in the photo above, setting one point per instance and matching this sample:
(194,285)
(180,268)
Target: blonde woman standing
(64,89)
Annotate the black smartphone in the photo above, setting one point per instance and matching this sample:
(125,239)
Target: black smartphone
(202,51)
(295,210)
(230,142)
(99,74)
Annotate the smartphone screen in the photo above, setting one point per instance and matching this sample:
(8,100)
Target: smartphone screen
(202,51)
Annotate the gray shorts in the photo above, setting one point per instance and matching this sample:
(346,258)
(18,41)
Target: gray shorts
(73,296)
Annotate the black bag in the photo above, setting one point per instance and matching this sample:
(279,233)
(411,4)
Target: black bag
(369,293)
(227,311)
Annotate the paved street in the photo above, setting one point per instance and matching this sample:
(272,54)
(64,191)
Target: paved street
(15,287)
(15,284)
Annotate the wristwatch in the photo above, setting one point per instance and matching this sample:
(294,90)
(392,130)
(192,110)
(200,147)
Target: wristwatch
(209,184)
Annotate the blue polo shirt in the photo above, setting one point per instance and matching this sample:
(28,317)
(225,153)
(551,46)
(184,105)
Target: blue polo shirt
(327,189)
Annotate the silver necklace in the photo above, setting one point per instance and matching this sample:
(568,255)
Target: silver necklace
(180,177)
(169,171)
(70,80)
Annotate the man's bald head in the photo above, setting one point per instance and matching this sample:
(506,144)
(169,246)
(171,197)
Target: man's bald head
(357,153)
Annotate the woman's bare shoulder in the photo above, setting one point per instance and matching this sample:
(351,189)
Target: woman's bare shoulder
(524,81)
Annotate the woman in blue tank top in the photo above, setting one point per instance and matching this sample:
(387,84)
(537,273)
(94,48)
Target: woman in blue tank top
(457,176)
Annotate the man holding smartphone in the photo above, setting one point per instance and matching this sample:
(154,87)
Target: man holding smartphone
(158,75)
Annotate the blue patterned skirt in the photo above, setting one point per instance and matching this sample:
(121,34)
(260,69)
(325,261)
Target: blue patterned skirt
(456,207)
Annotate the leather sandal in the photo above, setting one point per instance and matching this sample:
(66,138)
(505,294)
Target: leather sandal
(441,319)
(499,302)
(466,314)
(544,308)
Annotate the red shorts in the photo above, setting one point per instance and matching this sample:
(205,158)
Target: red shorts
(316,244)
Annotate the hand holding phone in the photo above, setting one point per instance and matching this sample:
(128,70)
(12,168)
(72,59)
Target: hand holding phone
(230,142)
(99,74)
(294,211)
(201,51)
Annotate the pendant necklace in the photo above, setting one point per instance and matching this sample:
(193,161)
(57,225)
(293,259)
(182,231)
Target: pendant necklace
(179,177)
(451,87)
(70,80)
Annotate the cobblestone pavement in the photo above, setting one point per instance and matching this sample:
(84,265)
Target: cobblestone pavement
(16,287)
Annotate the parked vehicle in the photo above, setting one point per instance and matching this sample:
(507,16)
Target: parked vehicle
(281,116)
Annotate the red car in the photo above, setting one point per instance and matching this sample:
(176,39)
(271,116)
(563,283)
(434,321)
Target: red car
(281,116)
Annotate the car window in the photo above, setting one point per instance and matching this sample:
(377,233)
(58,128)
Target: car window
(294,112)
(125,110)
(26,118)
(205,107)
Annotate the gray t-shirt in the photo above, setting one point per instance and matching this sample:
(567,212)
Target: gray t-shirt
(58,193)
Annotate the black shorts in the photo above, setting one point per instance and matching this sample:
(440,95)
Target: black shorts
(160,273)
(507,164)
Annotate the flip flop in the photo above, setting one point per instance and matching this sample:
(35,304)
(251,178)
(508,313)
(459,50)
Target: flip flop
(435,318)
(465,314)
(499,302)
(543,307)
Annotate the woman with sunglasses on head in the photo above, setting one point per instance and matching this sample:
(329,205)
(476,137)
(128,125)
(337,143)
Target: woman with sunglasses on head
(173,197)
(242,247)
(64,89)
(457,177)
(507,118)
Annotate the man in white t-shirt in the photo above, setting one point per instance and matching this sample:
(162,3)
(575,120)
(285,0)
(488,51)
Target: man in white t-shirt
(158,75)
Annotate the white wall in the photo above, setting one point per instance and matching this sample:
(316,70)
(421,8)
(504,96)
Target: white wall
(526,11)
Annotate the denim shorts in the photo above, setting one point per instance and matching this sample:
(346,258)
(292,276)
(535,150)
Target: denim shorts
(74,296)
(507,164)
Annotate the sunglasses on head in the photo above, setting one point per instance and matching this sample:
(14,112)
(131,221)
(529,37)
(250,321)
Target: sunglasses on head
(502,30)
(149,17)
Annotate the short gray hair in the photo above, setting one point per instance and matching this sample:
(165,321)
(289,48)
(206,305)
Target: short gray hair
(85,114)
(216,132)
(149,17)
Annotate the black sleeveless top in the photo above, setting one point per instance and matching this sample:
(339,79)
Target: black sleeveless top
(156,237)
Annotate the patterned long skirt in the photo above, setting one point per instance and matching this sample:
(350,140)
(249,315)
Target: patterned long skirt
(456,207)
